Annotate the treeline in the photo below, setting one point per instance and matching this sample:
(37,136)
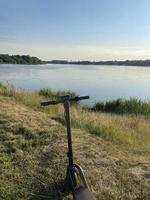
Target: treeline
(26,59)
(123,63)
(19,59)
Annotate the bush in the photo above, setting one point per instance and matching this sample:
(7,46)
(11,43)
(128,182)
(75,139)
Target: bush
(123,106)
(49,93)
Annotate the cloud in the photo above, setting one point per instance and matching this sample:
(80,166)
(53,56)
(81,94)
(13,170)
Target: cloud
(75,52)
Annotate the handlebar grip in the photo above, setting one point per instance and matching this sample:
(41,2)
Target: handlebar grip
(47,103)
(81,98)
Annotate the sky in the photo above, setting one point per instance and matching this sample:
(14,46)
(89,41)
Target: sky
(76,29)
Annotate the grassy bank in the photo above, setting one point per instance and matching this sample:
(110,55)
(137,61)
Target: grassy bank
(113,149)
(123,106)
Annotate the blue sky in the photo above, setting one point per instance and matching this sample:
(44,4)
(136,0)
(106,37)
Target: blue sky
(76,29)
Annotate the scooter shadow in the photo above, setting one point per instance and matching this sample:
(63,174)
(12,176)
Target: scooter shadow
(56,191)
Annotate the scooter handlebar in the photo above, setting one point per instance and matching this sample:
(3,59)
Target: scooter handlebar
(80,98)
(47,103)
(62,100)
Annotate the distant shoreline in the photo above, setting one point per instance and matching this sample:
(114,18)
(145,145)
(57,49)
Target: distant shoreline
(137,63)
(28,60)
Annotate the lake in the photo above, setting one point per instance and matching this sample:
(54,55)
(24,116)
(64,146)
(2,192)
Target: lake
(100,82)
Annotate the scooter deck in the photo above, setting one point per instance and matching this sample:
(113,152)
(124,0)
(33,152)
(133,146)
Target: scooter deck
(83,193)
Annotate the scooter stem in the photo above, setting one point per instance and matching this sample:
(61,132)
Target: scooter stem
(68,124)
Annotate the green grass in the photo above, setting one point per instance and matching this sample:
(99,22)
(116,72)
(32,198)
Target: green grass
(123,106)
(124,131)
(113,149)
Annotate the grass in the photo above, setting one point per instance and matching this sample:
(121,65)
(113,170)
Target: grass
(113,149)
(123,106)
(125,131)
(52,94)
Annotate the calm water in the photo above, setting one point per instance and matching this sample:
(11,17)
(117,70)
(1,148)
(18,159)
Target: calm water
(100,82)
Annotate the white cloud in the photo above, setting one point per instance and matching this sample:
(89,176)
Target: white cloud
(75,52)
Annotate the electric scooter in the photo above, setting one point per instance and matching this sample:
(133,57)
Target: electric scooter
(75,177)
